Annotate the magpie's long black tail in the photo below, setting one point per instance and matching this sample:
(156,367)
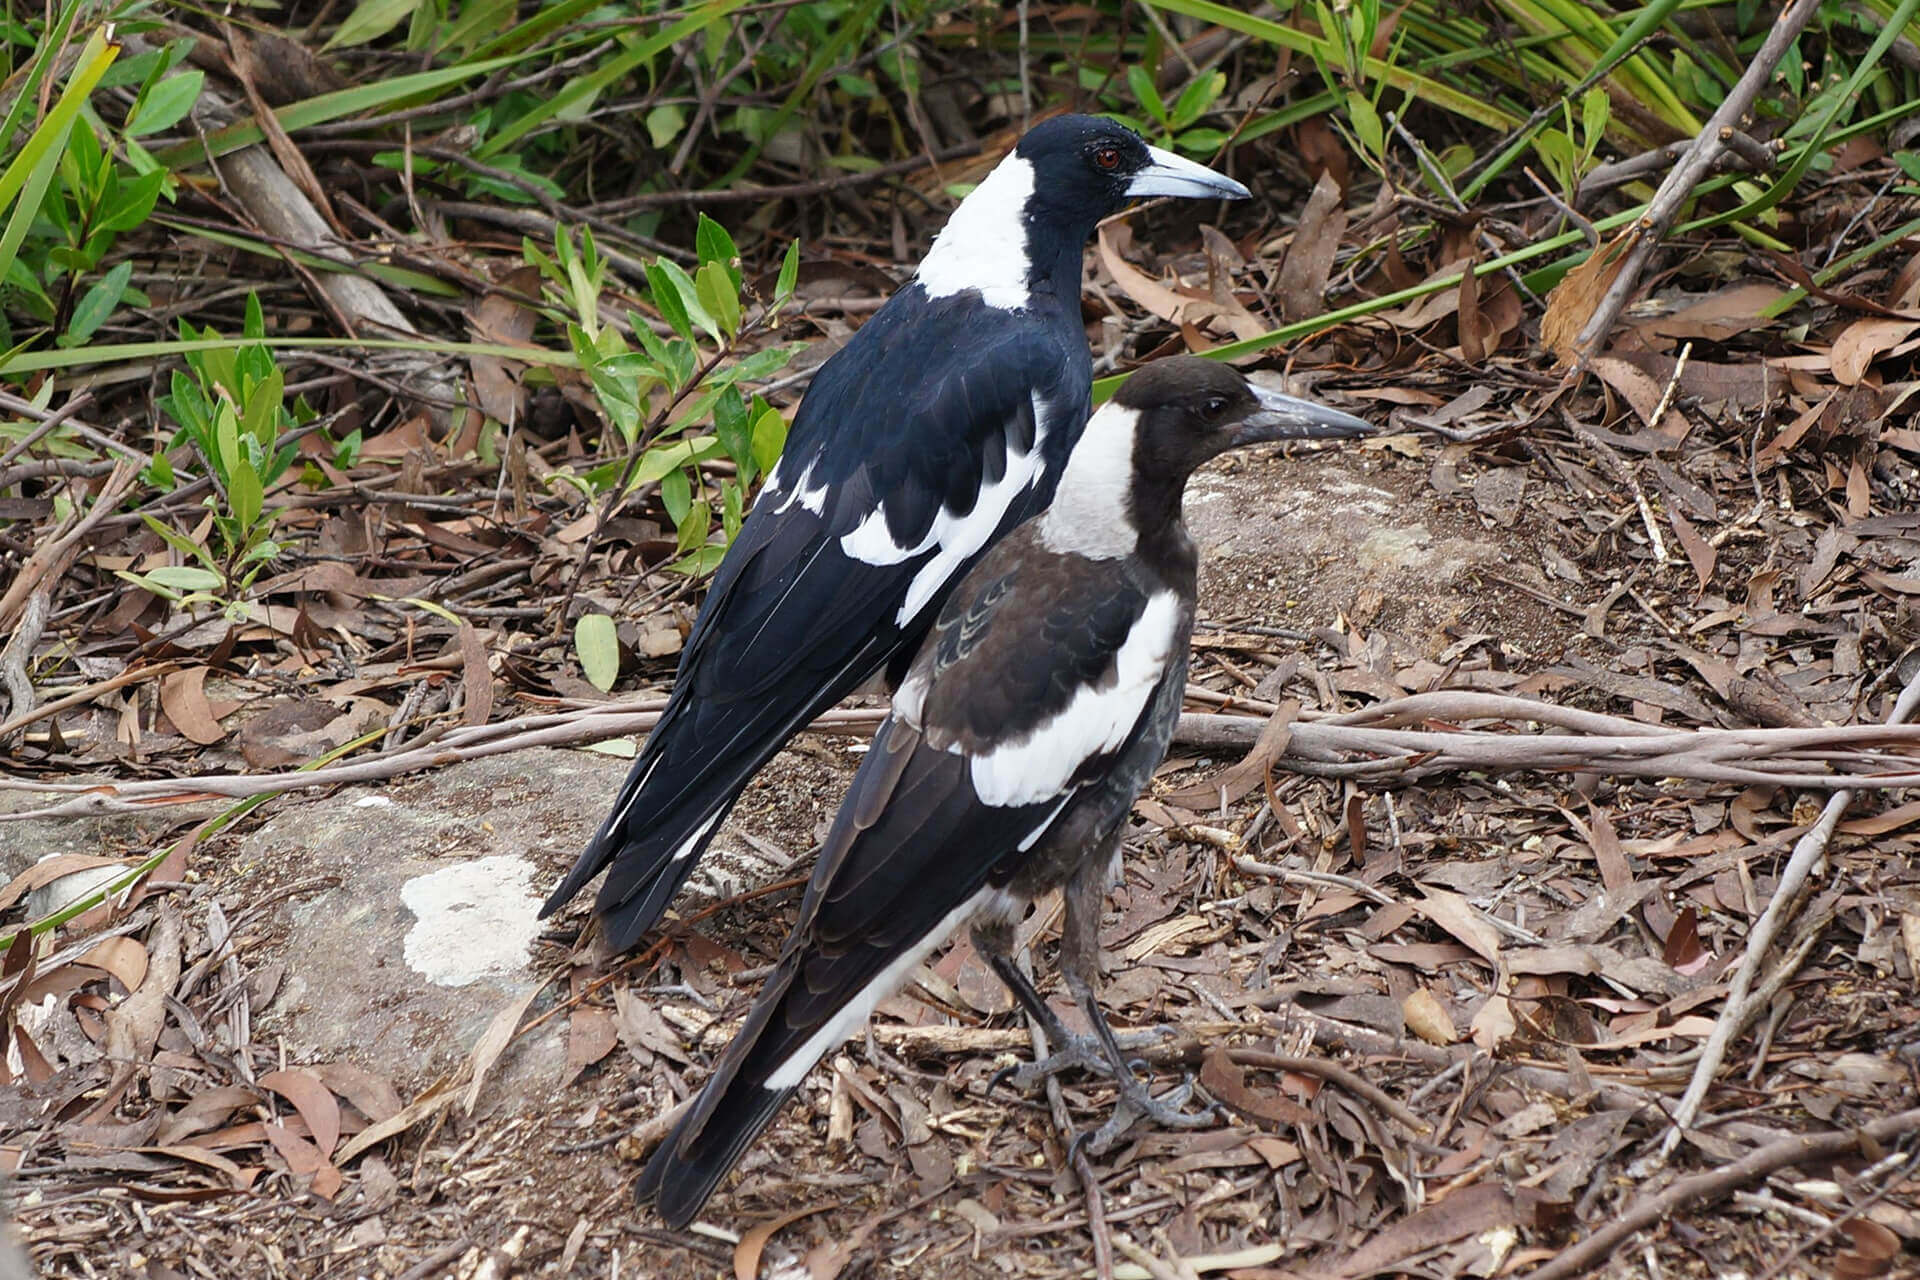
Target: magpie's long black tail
(678,792)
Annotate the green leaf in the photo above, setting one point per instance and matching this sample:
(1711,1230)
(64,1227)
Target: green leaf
(676,495)
(1196,98)
(597,642)
(769,438)
(664,124)
(715,245)
(693,529)
(720,295)
(735,429)
(184,577)
(1140,80)
(667,301)
(1366,125)
(1596,109)
(98,303)
(370,20)
(699,562)
(689,294)
(789,274)
(245,495)
(130,201)
(166,104)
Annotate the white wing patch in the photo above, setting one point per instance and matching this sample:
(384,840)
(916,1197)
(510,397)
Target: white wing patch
(809,495)
(1039,766)
(958,537)
(984,244)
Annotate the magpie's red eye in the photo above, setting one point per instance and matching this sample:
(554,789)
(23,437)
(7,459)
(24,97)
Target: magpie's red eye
(1107,157)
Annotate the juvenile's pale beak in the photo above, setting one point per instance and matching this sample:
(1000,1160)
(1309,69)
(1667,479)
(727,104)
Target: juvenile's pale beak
(1281,417)
(1170,175)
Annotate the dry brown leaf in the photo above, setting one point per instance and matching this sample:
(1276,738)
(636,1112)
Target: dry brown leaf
(1861,342)
(239,1179)
(1469,1211)
(184,699)
(1492,1023)
(1226,1082)
(476,678)
(1577,296)
(1302,284)
(1873,1252)
(746,1254)
(1639,390)
(1427,1017)
(1700,552)
(435,1099)
(1240,778)
(1722,314)
(305,1160)
(591,1036)
(492,1043)
(371,1095)
(47,870)
(123,957)
(313,1100)
(1458,917)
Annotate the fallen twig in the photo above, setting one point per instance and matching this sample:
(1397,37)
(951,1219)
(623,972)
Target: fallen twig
(1696,164)
(1810,849)
(1715,1183)
(1851,757)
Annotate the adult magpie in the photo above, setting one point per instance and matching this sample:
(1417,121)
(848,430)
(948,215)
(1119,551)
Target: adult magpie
(1026,725)
(945,421)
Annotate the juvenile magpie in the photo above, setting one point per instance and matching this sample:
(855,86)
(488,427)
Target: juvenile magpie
(1026,725)
(945,421)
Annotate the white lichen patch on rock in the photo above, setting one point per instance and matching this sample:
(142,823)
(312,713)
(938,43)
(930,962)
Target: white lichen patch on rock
(475,918)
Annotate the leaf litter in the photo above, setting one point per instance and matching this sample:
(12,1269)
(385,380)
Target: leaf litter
(1525,961)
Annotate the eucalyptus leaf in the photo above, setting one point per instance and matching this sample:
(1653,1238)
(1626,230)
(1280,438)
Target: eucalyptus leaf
(596,641)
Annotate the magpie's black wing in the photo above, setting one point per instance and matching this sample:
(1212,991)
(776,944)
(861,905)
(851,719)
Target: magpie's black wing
(906,460)
(1041,671)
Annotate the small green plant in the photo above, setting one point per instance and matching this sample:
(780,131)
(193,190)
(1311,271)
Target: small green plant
(100,185)
(658,394)
(1179,126)
(1350,31)
(1567,160)
(230,404)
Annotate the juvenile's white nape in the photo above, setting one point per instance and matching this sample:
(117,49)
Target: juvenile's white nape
(984,244)
(1091,514)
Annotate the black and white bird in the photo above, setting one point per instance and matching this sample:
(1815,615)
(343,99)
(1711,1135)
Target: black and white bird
(1025,727)
(944,422)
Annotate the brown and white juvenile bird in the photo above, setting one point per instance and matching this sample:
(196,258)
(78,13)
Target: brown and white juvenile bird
(1028,722)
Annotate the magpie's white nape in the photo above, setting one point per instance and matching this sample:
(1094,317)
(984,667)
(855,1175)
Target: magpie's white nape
(944,422)
(1027,723)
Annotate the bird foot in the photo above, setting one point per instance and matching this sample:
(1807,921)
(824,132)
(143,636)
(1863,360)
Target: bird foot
(1135,1102)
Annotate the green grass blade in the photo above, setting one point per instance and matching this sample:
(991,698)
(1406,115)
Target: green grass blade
(1430,91)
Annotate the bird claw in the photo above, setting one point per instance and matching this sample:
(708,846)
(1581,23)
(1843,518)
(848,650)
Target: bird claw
(1134,1103)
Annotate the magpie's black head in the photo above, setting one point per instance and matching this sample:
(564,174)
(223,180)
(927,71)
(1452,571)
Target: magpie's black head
(1191,409)
(1085,168)
(1122,486)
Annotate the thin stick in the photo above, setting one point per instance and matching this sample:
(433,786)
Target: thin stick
(1715,1183)
(1810,849)
(1694,166)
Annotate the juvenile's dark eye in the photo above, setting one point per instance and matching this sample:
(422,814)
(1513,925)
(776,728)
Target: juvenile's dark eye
(1215,406)
(1107,157)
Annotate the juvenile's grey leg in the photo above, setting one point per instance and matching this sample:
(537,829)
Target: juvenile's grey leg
(1080,965)
(994,940)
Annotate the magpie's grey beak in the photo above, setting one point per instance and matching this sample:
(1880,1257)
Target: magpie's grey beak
(1282,417)
(1170,175)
